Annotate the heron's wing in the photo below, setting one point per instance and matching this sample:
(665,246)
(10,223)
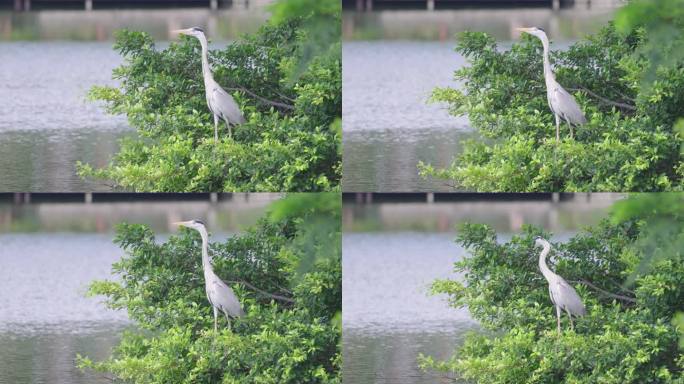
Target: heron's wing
(223,104)
(565,296)
(564,104)
(223,297)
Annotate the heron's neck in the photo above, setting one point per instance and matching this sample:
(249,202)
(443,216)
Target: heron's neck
(548,73)
(206,70)
(542,262)
(206,264)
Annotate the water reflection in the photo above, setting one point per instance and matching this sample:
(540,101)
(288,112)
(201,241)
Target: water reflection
(45,160)
(501,212)
(232,214)
(100,25)
(49,357)
(567,23)
(385,160)
(391,357)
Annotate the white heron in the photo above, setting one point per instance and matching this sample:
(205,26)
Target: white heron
(220,295)
(562,103)
(563,295)
(221,104)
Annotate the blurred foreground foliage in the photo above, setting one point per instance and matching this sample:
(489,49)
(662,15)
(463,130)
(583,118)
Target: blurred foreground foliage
(287,80)
(629,81)
(628,339)
(161,285)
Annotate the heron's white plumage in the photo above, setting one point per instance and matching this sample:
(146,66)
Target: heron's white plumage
(223,105)
(563,295)
(220,103)
(562,103)
(220,295)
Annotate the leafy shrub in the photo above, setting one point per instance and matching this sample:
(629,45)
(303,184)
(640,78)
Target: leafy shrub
(628,334)
(290,142)
(628,143)
(291,330)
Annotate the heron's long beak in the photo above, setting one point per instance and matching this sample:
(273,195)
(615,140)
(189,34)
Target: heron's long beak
(523,29)
(182,223)
(182,31)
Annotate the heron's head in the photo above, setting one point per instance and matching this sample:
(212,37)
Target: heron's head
(540,241)
(194,31)
(534,31)
(194,224)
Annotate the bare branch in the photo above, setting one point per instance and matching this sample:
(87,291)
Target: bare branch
(604,100)
(271,295)
(262,99)
(606,293)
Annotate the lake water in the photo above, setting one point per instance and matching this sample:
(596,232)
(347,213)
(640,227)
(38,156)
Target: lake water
(45,320)
(392,60)
(46,124)
(388,125)
(48,62)
(388,317)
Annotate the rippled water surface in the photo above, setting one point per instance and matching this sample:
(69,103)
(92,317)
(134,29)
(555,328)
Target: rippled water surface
(388,316)
(46,124)
(388,125)
(45,319)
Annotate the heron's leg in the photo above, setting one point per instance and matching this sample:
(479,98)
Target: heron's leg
(558,316)
(557,128)
(228,320)
(215,319)
(572,135)
(572,326)
(216,121)
(230,130)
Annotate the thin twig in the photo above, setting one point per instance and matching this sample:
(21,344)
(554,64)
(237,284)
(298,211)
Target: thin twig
(609,294)
(271,295)
(262,99)
(604,100)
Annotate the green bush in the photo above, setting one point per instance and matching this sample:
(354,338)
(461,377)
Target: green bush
(628,144)
(290,142)
(291,330)
(629,334)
